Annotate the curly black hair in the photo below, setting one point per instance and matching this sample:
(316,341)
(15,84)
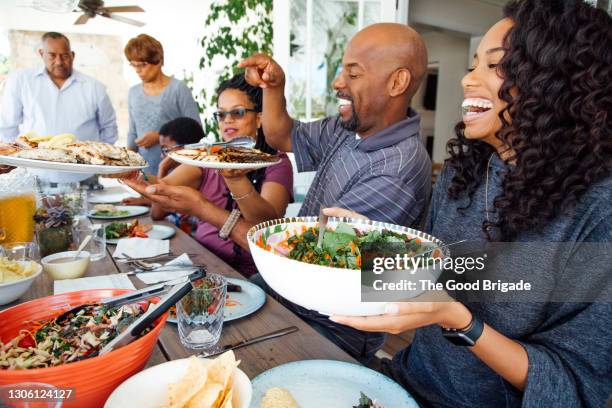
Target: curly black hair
(558,64)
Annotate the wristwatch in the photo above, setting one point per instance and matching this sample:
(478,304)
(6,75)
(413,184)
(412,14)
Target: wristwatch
(467,336)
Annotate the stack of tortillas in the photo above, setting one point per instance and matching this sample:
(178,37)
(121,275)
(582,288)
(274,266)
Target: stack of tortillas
(278,398)
(206,384)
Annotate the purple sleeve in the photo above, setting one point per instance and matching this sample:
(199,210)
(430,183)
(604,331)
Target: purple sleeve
(281,173)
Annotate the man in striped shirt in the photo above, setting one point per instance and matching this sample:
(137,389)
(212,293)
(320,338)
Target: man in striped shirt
(369,157)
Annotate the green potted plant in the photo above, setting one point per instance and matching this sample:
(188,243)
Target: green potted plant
(53,229)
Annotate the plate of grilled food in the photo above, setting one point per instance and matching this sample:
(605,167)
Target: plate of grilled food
(217,157)
(66,154)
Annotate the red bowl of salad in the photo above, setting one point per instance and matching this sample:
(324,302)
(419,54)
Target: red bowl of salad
(70,360)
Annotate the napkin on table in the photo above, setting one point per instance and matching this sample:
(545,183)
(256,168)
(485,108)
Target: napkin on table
(119,281)
(141,247)
(156,277)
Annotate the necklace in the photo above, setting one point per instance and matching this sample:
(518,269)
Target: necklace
(487,188)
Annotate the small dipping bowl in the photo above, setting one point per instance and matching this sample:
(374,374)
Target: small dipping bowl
(63,266)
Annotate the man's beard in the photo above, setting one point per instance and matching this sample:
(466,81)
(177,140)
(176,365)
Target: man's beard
(352,124)
(63,72)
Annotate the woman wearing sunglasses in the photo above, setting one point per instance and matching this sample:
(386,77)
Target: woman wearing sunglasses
(529,170)
(259,195)
(157,100)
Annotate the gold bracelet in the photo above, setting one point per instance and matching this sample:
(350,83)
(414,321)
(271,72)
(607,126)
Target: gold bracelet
(244,196)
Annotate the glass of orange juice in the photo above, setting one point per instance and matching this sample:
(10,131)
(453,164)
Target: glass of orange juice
(17,207)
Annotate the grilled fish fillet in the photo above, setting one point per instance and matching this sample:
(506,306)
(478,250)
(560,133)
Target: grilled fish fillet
(8,148)
(134,159)
(244,155)
(86,152)
(55,155)
(105,154)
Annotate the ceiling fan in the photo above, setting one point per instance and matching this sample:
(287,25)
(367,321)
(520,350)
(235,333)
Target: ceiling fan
(90,9)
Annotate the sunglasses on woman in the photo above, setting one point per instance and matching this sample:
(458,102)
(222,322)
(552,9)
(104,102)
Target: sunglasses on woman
(234,114)
(167,149)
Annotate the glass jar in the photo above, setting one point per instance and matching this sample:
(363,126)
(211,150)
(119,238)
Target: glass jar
(52,240)
(17,206)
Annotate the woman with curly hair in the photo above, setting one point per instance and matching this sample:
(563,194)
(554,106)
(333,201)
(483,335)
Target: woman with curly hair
(530,164)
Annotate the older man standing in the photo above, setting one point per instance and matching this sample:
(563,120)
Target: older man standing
(57,99)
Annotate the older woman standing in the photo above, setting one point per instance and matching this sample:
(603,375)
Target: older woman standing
(157,100)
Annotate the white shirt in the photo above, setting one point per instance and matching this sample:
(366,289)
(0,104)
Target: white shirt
(32,102)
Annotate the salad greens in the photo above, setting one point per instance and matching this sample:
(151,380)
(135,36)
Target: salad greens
(107,213)
(366,402)
(341,247)
(117,230)
(50,343)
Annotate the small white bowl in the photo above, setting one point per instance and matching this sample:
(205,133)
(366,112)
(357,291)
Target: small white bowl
(11,291)
(71,269)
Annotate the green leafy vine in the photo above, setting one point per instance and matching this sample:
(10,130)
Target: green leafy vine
(234,29)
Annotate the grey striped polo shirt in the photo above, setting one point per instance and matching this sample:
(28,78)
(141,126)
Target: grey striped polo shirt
(386,176)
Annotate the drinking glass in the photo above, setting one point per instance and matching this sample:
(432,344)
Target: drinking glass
(31,395)
(21,251)
(97,244)
(76,201)
(68,195)
(200,313)
(18,195)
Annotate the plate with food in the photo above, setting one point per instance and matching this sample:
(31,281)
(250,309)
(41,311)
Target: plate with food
(60,355)
(188,382)
(111,212)
(337,385)
(243,298)
(64,153)
(117,230)
(286,254)
(216,157)
(16,277)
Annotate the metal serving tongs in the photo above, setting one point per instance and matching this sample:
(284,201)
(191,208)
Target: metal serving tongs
(133,297)
(238,141)
(322,226)
(176,293)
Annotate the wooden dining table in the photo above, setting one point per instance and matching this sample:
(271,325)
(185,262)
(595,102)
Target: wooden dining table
(304,344)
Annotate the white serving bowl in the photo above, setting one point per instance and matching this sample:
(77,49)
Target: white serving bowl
(71,269)
(325,289)
(11,291)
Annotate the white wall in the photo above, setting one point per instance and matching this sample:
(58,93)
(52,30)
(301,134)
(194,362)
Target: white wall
(176,24)
(428,117)
(474,42)
(472,17)
(450,53)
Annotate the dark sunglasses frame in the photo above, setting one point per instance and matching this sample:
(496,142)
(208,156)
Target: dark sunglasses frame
(165,149)
(234,114)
